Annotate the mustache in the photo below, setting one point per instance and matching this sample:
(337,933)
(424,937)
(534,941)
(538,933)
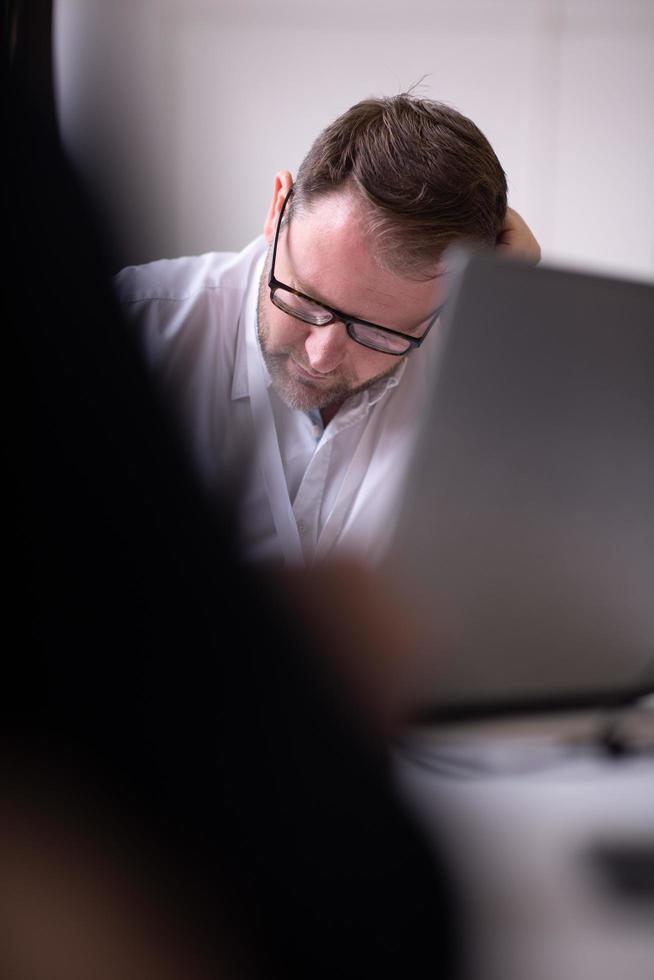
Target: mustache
(283,353)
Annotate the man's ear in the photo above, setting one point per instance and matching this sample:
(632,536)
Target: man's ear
(281,187)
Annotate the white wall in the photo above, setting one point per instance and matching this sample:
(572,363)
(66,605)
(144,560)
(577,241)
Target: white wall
(183,110)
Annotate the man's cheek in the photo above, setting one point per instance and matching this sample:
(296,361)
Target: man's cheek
(283,337)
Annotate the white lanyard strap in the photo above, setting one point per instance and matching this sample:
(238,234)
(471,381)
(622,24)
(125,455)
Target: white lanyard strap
(269,456)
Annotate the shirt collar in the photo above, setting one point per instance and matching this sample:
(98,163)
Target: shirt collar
(357,406)
(247,329)
(379,388)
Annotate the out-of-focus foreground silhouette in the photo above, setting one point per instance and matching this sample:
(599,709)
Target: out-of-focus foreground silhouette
(183,791)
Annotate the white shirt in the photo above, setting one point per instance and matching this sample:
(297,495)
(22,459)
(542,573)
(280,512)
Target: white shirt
(309,491)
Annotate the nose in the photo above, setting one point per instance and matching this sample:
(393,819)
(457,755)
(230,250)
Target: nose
(326,347)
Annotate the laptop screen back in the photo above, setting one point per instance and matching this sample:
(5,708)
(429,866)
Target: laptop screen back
(525,538)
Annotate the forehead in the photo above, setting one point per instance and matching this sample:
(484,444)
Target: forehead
(330,251)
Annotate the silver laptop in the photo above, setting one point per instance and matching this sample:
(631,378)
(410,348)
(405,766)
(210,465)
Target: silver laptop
(525,537)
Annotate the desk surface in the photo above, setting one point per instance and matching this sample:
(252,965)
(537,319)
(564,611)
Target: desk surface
(533,814)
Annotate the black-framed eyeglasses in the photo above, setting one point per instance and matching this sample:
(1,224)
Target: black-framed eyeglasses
(310,311)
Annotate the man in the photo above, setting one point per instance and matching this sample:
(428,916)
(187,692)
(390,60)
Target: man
(311,345)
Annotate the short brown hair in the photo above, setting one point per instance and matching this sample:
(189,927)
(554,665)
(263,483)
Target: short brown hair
(428,174)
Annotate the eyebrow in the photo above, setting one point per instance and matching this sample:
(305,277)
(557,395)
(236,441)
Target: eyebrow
(407,330)
(309,292)
(303,288)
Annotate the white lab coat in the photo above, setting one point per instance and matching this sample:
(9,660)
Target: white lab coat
(308,493)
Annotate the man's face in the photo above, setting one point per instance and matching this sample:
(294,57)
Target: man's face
(326,253)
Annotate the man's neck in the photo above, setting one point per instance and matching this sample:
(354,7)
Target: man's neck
(329,411)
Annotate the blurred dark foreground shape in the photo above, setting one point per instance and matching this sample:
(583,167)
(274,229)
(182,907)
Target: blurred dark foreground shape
(184,791)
